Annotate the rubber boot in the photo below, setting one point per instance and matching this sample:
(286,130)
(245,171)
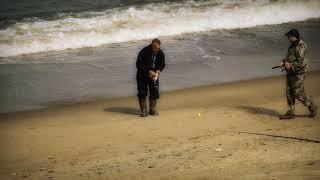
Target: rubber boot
(143,107)
(153,104)
(313,111)
(288,115)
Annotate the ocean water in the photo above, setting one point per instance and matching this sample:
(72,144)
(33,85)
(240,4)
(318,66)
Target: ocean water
(54,52)
(40,26)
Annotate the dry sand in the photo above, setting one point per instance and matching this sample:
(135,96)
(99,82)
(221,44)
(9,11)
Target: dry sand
(106,139)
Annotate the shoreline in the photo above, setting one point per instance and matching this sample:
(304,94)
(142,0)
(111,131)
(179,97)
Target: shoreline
(32,82)
(67,104)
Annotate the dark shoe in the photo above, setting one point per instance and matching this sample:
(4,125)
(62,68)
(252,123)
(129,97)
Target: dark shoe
(313,111)
(143,107)
(152,110)
(288,115)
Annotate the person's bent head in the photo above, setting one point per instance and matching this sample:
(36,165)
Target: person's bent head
(293,35)
(156,43)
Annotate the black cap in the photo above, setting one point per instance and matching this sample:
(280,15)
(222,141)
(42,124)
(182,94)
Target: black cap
(293,33)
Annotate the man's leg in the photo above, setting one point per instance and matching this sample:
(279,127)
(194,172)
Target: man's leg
(154,95)
(142,94)
(302,96)
(290,99)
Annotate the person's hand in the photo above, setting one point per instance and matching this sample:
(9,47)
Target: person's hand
(287,65)
(158,73)
(282,66)
(152,74)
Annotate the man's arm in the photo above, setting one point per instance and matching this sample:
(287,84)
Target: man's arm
(140,62)
(299,62)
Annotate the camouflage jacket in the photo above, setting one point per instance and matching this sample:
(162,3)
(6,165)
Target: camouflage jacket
(298,57)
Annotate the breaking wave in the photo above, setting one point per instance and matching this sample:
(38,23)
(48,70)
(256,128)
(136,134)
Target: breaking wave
(90,29)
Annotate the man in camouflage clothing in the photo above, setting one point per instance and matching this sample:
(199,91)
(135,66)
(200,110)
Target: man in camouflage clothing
(296,66)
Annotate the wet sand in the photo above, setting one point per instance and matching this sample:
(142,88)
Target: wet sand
(33,81)
(196,136)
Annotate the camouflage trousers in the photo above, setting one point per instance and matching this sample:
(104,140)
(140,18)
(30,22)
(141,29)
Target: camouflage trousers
(295,90)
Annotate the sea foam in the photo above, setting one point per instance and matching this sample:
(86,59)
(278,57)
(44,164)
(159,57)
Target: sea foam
(90,29)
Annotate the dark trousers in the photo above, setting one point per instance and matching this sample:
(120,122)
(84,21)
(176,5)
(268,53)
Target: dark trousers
(145,85)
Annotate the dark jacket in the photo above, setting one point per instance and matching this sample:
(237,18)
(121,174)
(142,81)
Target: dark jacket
(144,62)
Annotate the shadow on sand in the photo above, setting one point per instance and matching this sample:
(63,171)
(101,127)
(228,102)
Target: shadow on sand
(123,110)
(260,110)
(264,111)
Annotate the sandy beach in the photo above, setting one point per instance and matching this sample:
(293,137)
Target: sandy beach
(68,109)
(205,132)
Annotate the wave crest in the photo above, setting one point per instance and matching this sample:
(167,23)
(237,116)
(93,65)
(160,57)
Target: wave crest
(90,29)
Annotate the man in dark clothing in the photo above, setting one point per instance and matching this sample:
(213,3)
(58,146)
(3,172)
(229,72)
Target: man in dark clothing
(150,62)
(296,66)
